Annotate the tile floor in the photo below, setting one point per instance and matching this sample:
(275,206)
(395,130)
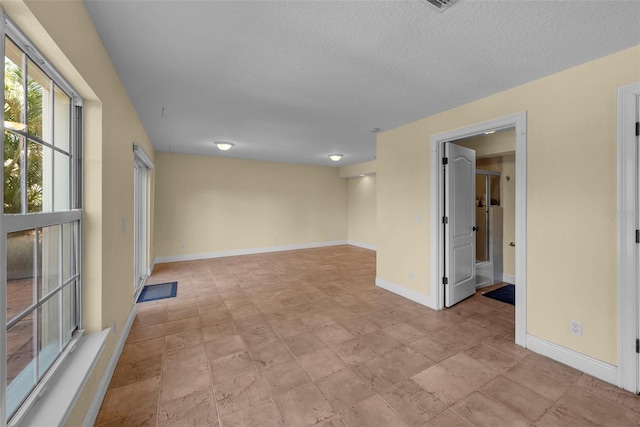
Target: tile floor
(304,338)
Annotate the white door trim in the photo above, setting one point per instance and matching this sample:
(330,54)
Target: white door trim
(519,122)
(627,216)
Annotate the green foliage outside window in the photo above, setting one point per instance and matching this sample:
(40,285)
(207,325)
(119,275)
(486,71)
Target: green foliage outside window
(15,144)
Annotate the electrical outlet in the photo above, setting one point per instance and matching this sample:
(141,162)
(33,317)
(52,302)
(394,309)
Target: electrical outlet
(575,327)
(411,275)
(113,328)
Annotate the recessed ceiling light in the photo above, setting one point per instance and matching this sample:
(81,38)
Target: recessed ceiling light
(223,145)
(375,130)
(335,157)
(361,174)
(489,132)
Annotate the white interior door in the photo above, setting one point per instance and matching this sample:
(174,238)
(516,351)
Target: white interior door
(460,221)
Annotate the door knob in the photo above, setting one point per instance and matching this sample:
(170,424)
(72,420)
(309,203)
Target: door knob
(512,244)
(476,228)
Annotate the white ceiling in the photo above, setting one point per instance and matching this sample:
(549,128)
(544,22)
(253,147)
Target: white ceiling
(294,81)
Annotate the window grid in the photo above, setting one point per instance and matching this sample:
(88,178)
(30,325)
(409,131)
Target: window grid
(55,225)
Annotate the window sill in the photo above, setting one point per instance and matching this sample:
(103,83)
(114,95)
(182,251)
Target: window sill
(57,400)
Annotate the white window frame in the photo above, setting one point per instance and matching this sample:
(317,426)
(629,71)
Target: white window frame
(16,222)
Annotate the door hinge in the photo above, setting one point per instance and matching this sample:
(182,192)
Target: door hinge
(445,161)
(445,281)
(637,128)
(445,220)
(638,346)
(637,236)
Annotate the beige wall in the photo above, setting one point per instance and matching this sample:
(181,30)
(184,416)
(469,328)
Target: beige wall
(205,205)
(63,31)
(362,210)
(571,265)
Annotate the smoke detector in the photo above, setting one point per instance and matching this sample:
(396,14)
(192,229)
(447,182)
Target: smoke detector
(441,5)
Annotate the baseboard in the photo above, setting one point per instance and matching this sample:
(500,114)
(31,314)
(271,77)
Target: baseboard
(587,364)
(362,245)
(508,278)
(221,254)
(404,292)
(92,413)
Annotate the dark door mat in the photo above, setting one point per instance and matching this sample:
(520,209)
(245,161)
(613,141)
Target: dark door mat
(506,294)
(159,291)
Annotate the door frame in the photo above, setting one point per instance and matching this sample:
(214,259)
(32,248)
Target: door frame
(628,250)
(517,121)
(141,208)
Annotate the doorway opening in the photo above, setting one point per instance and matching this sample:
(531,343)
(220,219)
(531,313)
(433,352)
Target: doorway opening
(141,165)
(517,122)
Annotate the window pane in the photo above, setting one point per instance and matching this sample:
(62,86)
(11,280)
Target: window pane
(61,189)
(13,87)
(39,161)
(68,251)
(49,327)
(13,146)
(21,366)
(48,257)
(21,290)
(62,117)
(38,103)
(68,311)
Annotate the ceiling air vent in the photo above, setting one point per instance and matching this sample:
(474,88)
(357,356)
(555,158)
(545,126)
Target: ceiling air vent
(441,5)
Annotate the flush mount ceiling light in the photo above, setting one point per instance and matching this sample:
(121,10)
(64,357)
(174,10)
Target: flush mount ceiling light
(441,5)
(224,146)
(335,157)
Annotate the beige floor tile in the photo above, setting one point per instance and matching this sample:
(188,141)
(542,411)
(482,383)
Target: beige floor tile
(344,389)
(271,354)
(195,409)
(404,332)
(378,373)
(123,401)
(541,382)
(304,343)
(333,334)
(413,403)
(408,361)
(284,377)
(135,371)
(320,363)
(580,407)
(448,418)
(323,304)
(264,415)
(372,412)
(224,346)
(304,406)
(482,411)
(183,339)
(519,399)
(185,357)
(179,382)
(610,393)
(231,366)
(240,393)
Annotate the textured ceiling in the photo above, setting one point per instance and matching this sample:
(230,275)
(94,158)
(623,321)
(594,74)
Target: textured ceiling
(294,81)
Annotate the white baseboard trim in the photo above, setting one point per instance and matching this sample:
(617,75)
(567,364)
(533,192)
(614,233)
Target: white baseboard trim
(404,292)
(92,413)
(362,245)
(221,254)
(508,278)
(587,364)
